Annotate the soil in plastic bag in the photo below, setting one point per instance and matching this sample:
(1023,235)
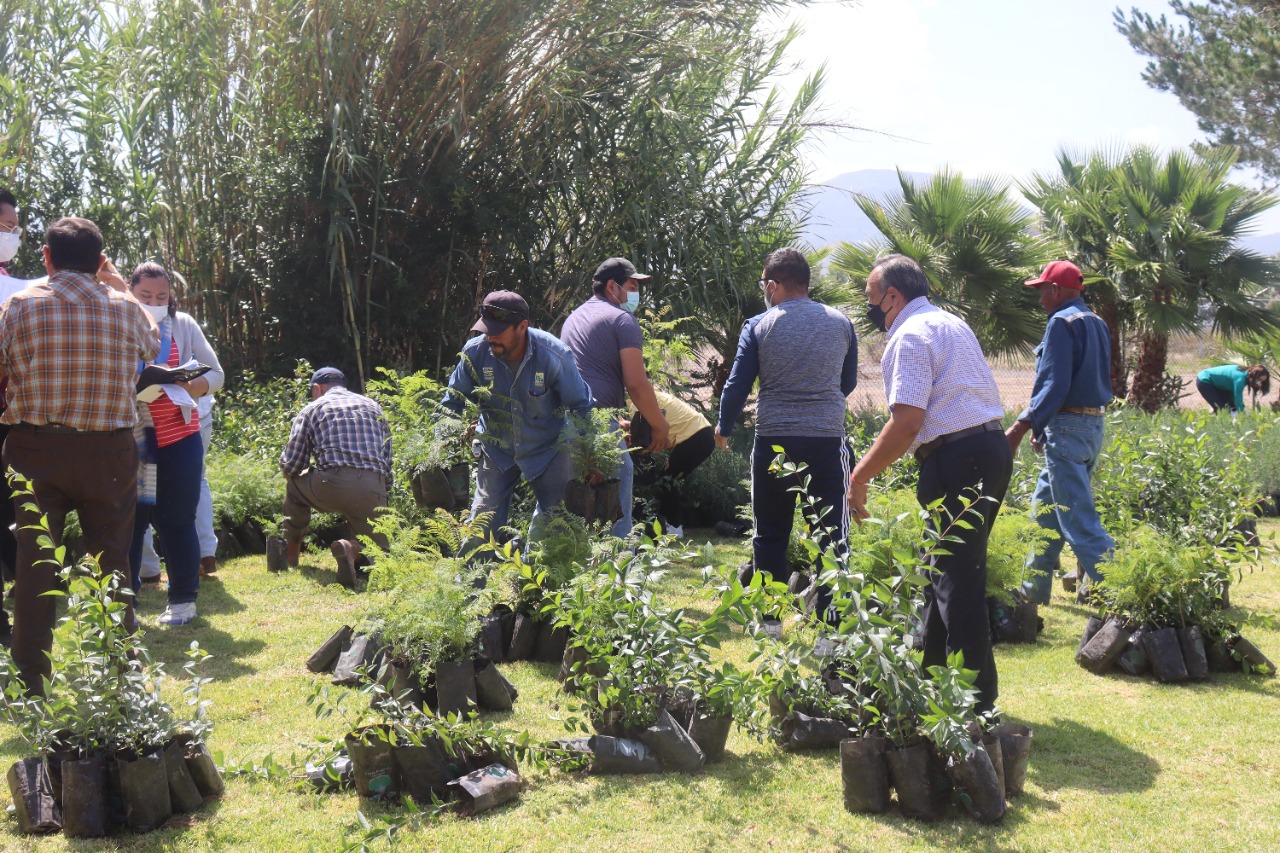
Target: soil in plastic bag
(991,743)
(327,655)
(977,786)
(144,782)
(675,749)
(1165,653)
(1015,752)
(1252,656)
(183,793)
(493,691)
(919,793)
(365,651)
(865,774)
(491,644)
(1091,627)
(486,788)
(373,767)
(1133,660)
(1101,652)
(33,803)
(204,771)
(1191,639)
(524,637)
(551,643)
(1027,615)
(816,733)
(710,734)
(424,771)
(84,798)
(455,687)
(616,755)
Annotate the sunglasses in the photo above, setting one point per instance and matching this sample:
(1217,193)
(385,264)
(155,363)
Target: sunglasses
(500,315)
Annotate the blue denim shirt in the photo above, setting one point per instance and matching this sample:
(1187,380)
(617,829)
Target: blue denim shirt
(1073,364)
(523,417)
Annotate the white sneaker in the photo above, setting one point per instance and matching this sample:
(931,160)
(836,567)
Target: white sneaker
(178,614)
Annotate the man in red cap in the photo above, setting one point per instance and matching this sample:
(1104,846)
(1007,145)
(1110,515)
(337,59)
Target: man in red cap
(1071,391)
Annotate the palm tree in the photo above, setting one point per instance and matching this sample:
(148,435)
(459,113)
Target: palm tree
(1161,233)
(975,244)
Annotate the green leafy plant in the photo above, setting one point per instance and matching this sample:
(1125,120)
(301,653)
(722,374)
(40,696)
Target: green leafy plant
(594,443)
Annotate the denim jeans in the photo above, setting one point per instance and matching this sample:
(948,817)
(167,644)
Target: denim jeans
(178,469)
(204,516)
(626,491)
(1072,444)
(494,488)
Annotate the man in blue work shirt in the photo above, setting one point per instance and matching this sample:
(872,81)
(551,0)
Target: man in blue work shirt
(532,384)
(1072,388)
(805,355)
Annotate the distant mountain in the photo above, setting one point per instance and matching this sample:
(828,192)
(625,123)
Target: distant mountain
(836,217)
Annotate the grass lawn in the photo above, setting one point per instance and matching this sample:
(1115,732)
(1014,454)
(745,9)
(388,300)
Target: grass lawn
(1118,762)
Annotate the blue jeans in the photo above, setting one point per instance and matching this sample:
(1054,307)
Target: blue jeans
(494,488)
(1072,444)
(179,467)
(626,491)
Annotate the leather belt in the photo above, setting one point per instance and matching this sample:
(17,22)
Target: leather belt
(1096,411)
(929,446)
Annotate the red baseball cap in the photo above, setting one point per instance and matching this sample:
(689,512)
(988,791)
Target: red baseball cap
(1062,273)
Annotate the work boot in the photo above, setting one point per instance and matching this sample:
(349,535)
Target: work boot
(291,554)
(208,566)
(347,555)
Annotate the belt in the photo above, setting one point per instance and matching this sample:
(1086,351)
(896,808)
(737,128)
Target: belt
(929,446)
(1096,411)
(66,430)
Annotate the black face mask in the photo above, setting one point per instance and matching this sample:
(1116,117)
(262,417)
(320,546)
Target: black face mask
(877,316)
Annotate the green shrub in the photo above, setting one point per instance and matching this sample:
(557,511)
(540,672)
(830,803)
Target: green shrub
(1155,579)
(245,487)
(253,416)
(718,488)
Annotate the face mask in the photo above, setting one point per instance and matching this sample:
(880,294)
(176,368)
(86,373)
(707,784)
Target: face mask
(877,316)
(9,246)
(632,303)
(159,313)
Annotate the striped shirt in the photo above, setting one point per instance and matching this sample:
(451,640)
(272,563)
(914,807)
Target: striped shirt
(166,415)
(342,429)
(70,347)
(933,362)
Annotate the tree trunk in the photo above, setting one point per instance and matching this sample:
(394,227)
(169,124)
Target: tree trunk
(1149,375)
(1119,380)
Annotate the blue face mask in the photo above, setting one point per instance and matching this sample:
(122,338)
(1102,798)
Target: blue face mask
(632,303)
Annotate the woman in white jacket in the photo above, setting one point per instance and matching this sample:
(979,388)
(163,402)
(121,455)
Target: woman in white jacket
(171,447)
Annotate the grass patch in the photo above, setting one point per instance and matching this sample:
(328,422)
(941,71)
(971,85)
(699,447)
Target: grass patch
(1117,761)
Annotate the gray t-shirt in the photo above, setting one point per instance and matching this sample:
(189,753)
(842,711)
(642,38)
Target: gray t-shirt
(595,333)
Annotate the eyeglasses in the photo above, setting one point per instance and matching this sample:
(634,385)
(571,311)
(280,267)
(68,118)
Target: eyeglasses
(500,315)
(764,283)
(10,229)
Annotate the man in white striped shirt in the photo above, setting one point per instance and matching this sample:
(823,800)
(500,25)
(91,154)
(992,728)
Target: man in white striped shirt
(944,406)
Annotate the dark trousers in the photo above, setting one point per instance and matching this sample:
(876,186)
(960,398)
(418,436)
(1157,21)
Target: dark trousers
(684,457)
(955,617)
(94,473)
(1216,397)
(773,505)
(8,541)
(179,467)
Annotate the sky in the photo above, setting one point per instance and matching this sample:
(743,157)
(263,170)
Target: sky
(982,86)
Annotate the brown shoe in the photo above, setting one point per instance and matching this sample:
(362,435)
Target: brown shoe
(291,554)
(208,566)
(347,554)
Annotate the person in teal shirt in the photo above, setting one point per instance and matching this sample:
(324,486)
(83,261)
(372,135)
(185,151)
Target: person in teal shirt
(1223,387)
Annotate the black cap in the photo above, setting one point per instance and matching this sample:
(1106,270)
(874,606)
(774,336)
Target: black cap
(501,310)
(328,376)
(617,269)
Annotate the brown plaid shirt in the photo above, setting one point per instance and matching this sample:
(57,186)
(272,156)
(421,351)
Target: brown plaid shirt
(70,348)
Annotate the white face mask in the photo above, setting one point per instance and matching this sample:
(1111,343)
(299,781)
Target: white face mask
(9,246)
(159,313)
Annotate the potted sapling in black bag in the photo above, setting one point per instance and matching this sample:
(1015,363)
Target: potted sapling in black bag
(595,450)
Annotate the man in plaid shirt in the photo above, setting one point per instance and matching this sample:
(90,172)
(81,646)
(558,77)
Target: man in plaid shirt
(70,348)
(351,442)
